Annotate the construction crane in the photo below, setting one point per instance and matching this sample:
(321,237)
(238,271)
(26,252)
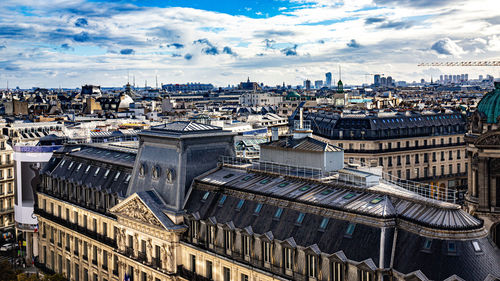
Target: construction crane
(461,63)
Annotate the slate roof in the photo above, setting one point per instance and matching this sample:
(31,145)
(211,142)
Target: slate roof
(303,144)
(345,198)
(185,126)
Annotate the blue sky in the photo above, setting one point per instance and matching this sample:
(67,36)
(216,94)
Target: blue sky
(73,42)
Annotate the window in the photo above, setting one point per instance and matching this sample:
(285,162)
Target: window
(336,271)
(434,157)
(323,224)
(287,253)
(350,229)
(278,213)
(227,274)
(283,184)
(194,229)
(417,160)
(407,159)
(398,160)
(452,247)
(427,244)
(264,181)
(104,259)
(228,239)
(258,208)
(193,263)
(267,252)
(300,218)
(116,176)
(209,271)
(246,245)
(106,174)
(228,176)
(442,155)
(205,196)
(97,171)
(222,200)
(365,275)
(476,246)
(240,204)
(311,266)
(244,277)
(211,234)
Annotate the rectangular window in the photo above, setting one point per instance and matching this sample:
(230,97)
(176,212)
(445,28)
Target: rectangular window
(458,154)
(246,245)
(365,276)
(417,159)
(209,272)
(287,252)
(300,218)
(278,213)
(244,277)
(193,263)
(228,240)
(323,224)
(211,234)
(222,200)
(258,208)
(311,266)
(350,229)
(240,204)
(267,252)
(68,269)
(336,271)
(227,274)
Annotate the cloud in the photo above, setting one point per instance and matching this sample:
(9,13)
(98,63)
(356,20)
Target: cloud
(2,47)
(81,37)
(176,45)
(353,44)
(290,51)
(209,48)
(176,55)
(81,22)
(269,43)
(373,20)
(66,47)
(274,33)
(228,50)
(447,46)
(415,3)
(188,56)
(396,25)
(127,51)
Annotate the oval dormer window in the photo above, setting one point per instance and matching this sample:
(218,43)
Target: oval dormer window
(156,172)
(142,169)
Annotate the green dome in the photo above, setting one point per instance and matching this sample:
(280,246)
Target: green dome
(490,104)
(293,94)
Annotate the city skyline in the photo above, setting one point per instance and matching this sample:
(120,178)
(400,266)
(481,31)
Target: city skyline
(70,43)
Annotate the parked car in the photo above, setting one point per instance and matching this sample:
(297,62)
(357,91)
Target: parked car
(7,247)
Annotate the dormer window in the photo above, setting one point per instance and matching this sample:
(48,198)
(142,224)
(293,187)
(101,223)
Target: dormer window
(106,174)
(258,208)
(97,171)
(300,218)
(222,200)
(246,245)
(87,169)
(143,169)
(205,196)
(336,271)
(311,266)
(156,172)
(350,229)
(267,252)
(287,254)
(116,176)
(240,204)
(278,213)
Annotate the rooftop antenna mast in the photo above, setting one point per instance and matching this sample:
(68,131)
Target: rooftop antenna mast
(134,81)
(128,76)
(157,82)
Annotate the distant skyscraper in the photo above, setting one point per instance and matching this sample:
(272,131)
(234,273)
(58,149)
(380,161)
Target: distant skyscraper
(383,82)
(389,81)
(328,80)
(308,84)
(422,81)
(480,77)
(318,84)
(441,78)
(376,80)
(466,77)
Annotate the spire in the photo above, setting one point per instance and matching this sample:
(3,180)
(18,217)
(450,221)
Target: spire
(248,79)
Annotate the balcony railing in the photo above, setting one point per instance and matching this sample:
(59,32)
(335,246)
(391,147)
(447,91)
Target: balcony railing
(396,149)
(189,275)
(91,234)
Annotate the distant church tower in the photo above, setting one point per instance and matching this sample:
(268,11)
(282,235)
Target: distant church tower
(483,151)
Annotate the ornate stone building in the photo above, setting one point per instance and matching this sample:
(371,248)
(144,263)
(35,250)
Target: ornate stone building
(6,185)
(167,209)
(483,148)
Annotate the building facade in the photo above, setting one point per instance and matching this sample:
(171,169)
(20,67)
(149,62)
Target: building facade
(427,148)
(6,185)
(169,210)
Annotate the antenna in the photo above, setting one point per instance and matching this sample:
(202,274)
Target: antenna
(128,76)
(157,82)
(134,81)
(340,73)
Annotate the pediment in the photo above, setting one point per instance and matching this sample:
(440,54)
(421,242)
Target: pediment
(133,208)
(489,139)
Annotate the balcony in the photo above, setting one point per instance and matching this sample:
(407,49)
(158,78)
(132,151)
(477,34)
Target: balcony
(6,210)
(396,149)
(75,227)
(189,275)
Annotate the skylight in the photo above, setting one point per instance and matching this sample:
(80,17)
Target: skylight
(283,184)
(305,188)
(240,204)
(277,215)
(205,196)
(376,200)
(476,246)
(324,223)
(350,229)
(258,208)
(300,218)
(326,191)
(222,200)
(349,195)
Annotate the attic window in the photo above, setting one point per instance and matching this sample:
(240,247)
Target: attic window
(300,218)
(97,171)
(452,247)
(228,176)
(70,165)
(247,178)
(106,174)
(62,162)
(128,178)
(476,246)
(283,184)
(305,188)
(117,175)
(87,170)
(264,181)
(258,208)
(349,196)
(278,213)
(427,244)
(222,200)
(205,196)
(324,223)
(350,229)
(79,166)
(376,200)
(326,192)
(240,204)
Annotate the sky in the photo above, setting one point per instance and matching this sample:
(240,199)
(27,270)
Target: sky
(69,43)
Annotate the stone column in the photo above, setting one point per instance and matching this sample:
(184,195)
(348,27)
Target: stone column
(29,254)
(35,244)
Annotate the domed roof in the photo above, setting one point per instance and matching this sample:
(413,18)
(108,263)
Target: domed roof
(125,102)
(293,94)
(490,104)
